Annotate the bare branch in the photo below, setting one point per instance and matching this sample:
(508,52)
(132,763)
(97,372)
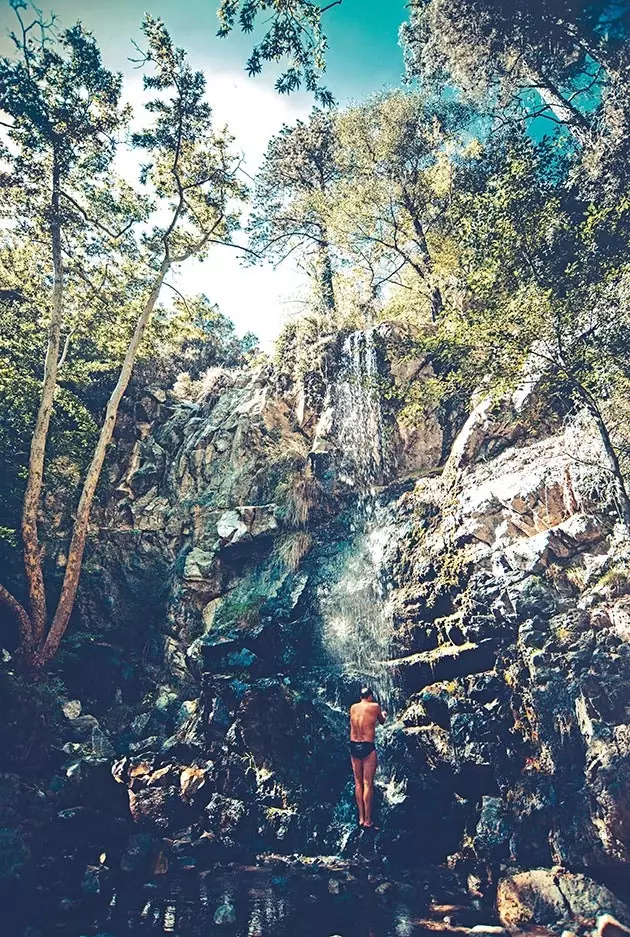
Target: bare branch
(97,224)
(66,346)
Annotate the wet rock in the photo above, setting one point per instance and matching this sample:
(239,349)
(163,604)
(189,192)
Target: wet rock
(584,529)
(72,709)
(509,648)
(231,528)
(493,831)
(203,573)
(225,815)
(137,855)
(140,723)
(242,659)
(246,522)
(446,662)
(152,743)
(608,783)
(384,889)
(536,553)
(545,896)
(534,596)
(194,781)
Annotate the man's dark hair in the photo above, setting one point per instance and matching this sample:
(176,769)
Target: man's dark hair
(366,691)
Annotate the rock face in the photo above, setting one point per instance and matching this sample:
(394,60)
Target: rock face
(268,547)
(544,896)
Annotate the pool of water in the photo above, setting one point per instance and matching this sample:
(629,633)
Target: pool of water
(257,902)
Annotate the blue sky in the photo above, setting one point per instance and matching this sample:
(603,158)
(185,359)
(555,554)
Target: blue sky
(363,54)
(364,57)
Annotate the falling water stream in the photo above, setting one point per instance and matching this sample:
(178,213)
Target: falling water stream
(356,608)
(358,425)
(356,612)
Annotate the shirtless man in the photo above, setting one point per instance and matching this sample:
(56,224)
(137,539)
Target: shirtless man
(363,718)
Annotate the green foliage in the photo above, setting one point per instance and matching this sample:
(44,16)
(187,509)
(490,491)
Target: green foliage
(398,155)
(293,548)
(454,570)
(294,348)
(614,583)
(537,57)
(33,726)
(291,202)
(14,854)
(294,31)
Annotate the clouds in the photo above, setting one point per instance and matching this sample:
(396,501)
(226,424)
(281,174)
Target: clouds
(258,298)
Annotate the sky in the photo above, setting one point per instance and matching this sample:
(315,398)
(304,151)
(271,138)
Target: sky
(364,57)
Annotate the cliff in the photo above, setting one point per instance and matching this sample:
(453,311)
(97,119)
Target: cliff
(263,549)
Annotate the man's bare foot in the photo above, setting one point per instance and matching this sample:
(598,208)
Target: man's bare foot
(370,826)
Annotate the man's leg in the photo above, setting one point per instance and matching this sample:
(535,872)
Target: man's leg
(369,770)
(357,770)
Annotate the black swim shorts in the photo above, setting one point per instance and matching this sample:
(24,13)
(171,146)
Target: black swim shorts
(361,749)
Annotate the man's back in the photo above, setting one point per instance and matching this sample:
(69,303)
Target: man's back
(363,718)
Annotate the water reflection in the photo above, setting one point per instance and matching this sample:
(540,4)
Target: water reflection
(251,902)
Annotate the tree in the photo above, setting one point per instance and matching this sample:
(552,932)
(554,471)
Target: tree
(63,110)
(393,200)
(291,201)
(293,31)
(564,51)
(205,339)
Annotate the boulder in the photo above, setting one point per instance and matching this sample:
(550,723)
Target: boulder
(554,896)
(72,708)
(231,527)
(445,662)
(225,815)
(203,573)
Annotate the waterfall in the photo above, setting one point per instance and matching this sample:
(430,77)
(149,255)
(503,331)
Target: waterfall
(357,620)
(355,606)
(358,415)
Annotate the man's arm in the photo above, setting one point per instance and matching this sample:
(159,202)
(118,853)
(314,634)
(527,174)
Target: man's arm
(381,715)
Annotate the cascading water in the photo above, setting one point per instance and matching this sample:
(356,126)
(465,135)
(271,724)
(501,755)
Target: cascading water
(358,425)
(357,620)
(356,608)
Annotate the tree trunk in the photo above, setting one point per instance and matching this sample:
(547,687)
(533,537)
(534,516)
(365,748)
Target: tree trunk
(326,281)
(81,524)
(23,620)
(619,485)
(30,538)
(562,109)
(437,303)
